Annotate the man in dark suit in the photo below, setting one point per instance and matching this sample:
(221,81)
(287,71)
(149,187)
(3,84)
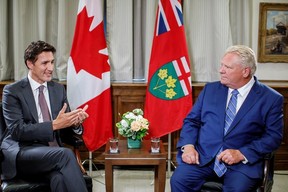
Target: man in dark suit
(234,155)
(31,142)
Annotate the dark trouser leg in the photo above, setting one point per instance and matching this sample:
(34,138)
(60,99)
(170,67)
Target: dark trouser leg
(56,182)
(58,164)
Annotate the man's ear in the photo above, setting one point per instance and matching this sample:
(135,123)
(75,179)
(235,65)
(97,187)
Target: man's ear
(29,64)
(246,72)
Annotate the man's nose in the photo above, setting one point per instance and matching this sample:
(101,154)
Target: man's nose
(50,66)
(221,69)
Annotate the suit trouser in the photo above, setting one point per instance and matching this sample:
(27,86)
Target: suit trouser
(190,178)
(58,164)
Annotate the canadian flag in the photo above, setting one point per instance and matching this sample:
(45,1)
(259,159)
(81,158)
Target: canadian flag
(88,74)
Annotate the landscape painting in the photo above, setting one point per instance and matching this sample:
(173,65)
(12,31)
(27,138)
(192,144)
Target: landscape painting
(273,33)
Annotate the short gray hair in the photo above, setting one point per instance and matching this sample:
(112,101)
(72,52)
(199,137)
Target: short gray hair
(247,56)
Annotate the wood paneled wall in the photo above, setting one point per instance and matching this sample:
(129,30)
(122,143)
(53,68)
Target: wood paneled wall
(127,96)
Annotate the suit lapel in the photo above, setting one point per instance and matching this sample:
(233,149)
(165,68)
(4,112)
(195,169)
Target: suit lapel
(29,98)
(249,102)
(53,96)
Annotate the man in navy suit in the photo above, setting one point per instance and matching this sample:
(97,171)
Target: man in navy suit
(25,145)
(255,130)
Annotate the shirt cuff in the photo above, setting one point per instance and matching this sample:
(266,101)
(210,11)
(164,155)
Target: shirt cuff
(245,161)
(78,130)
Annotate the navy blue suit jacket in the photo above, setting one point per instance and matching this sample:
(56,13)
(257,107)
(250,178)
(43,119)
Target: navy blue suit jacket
(255,131)
(23,128)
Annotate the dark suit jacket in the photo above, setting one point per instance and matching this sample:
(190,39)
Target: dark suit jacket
(23,128)
(255,131)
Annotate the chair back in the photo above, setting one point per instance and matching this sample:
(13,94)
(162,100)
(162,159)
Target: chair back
(2,130)
(2,122)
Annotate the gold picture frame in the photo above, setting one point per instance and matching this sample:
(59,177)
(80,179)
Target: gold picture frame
(273,33)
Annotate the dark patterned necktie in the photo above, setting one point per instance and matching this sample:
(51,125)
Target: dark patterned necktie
(43,105)
(45,111)
(219,167)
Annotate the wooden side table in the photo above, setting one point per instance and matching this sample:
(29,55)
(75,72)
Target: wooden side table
(141,156)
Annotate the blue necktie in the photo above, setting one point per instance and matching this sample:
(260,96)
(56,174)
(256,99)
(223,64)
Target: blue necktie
(220,167)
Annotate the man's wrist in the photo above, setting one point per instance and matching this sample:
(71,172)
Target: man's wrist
(183,147)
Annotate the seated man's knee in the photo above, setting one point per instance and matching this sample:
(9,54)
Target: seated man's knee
(62,155)
(66,153)
(175,178)
(178,178)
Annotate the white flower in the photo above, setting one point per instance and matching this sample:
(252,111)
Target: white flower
(138,117)
(130,116)
(124,123)
(133,125)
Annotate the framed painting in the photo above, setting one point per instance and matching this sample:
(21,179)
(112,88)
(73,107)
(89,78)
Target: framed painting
(273,33)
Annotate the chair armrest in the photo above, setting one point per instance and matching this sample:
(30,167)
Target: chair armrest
(268,174)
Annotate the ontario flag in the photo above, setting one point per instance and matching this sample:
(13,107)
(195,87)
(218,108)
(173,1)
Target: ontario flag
(88,74)
(168,95)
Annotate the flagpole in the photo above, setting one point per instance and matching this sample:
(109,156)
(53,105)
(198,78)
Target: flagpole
(169,155)
(90,161)
(169,161)
(91,164)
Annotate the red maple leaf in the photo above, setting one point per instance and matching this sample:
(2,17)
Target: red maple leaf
(86,46)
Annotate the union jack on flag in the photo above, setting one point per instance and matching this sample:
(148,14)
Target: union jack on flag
(183,72)
(164,20)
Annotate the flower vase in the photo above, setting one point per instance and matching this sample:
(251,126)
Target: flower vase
(133,143)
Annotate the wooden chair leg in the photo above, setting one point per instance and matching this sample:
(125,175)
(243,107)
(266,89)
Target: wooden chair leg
(77,154)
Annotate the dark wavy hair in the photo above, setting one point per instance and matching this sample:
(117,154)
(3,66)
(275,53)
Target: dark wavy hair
(35,48)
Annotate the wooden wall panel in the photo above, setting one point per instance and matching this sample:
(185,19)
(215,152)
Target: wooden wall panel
(126,97)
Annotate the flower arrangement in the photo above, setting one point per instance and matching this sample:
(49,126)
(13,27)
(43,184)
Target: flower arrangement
(133,125)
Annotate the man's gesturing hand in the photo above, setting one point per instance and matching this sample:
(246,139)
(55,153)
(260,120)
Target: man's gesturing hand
(68,119)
